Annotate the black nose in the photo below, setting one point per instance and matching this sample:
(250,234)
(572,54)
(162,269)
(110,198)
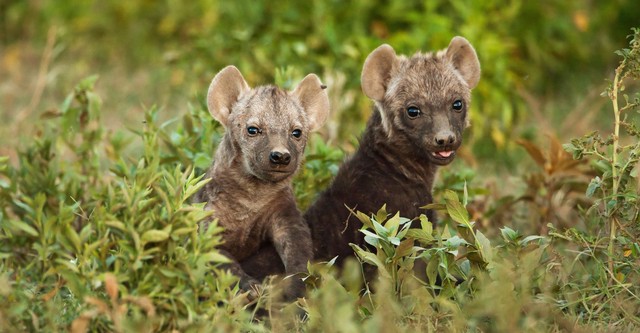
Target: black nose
(445,137)
(277,157)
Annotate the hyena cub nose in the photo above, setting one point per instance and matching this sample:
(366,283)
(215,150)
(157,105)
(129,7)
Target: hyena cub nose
(280,158)
(445,137)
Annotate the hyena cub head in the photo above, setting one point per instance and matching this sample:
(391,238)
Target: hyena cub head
(423,100)
(267,127)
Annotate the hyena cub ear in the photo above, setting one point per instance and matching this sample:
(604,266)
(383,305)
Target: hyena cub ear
(464,59)
(224,92)
(312,95)
(377,71)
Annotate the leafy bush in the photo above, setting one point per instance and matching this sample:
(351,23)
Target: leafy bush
(91,238)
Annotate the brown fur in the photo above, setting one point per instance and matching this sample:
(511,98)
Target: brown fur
(250,191)
(398,157)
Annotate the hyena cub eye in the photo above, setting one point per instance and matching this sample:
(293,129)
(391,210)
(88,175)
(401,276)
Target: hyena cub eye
(457,105)
(253,131)
(296,133)
(413,112)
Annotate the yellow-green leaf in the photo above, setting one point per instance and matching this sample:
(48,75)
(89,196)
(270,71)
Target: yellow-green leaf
(153,236)
(455,209)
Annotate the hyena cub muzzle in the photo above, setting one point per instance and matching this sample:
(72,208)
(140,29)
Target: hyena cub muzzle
(250,191)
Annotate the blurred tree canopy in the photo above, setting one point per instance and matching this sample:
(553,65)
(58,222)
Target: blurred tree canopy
(547,49)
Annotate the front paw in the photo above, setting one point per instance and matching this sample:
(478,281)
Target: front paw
(294,288)
(252,286)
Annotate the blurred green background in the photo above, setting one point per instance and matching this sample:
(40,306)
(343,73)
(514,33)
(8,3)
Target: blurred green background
(543,62)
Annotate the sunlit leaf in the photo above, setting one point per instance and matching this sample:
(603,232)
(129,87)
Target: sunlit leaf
(153,236)
(455,209)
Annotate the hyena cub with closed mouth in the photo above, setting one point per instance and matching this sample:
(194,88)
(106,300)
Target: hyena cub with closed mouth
(250,191)
(420,111)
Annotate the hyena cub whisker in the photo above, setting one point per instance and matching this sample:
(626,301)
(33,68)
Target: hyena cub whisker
(250,190)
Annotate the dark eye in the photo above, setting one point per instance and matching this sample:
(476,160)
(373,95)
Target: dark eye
(296,133)
(457,105)
(252,130)
(413,112)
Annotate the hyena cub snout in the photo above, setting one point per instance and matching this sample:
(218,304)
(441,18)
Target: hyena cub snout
(280,157)
(445,137)
(444,142)
(283,152)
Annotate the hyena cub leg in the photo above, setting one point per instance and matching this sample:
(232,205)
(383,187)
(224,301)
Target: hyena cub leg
(247,282)
(292,241)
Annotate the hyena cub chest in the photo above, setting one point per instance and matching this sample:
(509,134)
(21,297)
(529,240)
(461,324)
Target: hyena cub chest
(248,218)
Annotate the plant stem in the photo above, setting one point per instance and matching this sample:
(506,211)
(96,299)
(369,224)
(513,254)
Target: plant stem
(614,160)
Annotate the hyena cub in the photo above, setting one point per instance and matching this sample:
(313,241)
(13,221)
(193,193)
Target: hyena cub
(250,191)
(420,111)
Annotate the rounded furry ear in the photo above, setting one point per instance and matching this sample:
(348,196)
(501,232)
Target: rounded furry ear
(224,91)
(312,95)
(465,60)
(377,70)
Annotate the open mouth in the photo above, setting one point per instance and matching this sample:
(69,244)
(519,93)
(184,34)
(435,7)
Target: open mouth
(443,154)
(443,157)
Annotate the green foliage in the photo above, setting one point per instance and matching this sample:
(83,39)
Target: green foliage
(449,260)
(112,241)
(615,189)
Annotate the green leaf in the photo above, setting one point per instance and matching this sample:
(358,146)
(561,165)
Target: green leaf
(366,220)
(455,209)
(19,225)
(528,239)
(371,259)
(420,235)
(425,224)
(435,206)
(382,214)
(509,234)
(154,236)
(116,224)
(73,238)
(213,257)
(484,246)
(432,270)
(455,242)
(379,229)
(392,224)
(595,184)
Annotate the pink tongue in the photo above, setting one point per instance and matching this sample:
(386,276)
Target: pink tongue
(445,153)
